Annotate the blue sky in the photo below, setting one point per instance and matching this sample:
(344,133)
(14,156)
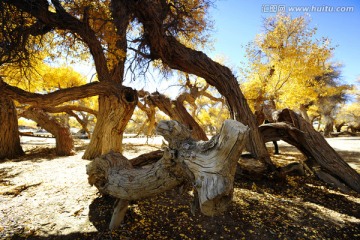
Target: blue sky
(236,22)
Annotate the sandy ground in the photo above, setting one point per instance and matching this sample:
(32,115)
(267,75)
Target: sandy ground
(50,195)
(43,195)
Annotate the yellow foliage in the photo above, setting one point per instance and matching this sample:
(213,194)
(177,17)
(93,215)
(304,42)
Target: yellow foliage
(42,77)
(349,113)
(286,63)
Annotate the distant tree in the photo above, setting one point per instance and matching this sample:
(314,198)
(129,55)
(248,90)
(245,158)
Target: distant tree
(349,113)
(330,98)
(284,64)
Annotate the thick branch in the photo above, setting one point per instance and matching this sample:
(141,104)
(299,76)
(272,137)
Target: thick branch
(175,110)
(64,95)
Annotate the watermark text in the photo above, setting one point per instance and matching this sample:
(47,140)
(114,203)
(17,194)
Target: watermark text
(275,8)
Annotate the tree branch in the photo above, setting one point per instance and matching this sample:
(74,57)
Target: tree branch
(64,95)
(63,20)
(68,108)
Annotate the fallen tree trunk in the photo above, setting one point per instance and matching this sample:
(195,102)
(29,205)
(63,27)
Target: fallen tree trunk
(296,131)
(210,166)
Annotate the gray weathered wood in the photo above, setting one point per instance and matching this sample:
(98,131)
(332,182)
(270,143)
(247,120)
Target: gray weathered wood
(209,165)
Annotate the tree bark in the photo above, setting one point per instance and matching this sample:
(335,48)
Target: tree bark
(9,131)
(294,130)
(64,140)
(210,166)
(114,114)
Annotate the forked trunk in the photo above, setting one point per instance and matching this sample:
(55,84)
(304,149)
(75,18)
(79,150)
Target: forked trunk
(9,132)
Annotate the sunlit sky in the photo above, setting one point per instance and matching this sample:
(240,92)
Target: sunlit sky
(238,21)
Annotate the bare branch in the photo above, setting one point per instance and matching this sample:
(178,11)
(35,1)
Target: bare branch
(64,95)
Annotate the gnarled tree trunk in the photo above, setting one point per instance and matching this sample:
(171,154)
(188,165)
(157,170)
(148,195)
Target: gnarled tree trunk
(209,165)
(9,131)
(114,114)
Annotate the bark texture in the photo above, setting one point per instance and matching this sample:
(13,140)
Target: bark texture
(9,132)
(114,114)
(210,166)
(296,131)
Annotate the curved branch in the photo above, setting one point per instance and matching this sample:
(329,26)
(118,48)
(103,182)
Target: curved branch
(63,95)
(63,20)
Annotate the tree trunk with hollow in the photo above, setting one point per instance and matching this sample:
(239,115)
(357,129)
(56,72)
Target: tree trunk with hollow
(210,166)
(9,131)
(114,114)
